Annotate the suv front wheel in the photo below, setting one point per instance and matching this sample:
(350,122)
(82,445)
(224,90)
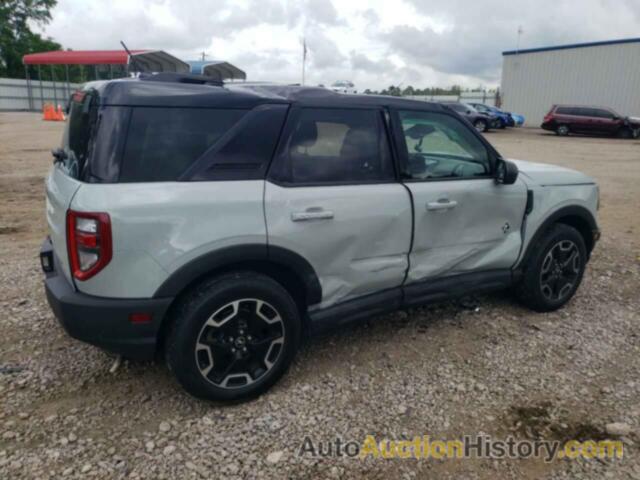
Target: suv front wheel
(233,336)
(554,271)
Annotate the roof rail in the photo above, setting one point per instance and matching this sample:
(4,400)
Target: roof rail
(180,78)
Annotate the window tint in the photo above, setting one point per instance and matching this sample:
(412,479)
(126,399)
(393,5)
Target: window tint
(337,146)
(79,130)
(440,146)
(246,154)
(163,142)
(600,113)
(566,111)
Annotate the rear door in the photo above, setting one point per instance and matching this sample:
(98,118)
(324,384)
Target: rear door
(333,198)
(464,221)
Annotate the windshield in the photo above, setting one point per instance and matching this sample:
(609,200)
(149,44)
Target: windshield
(76,140)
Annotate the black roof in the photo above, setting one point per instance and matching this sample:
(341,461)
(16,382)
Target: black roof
(190,93)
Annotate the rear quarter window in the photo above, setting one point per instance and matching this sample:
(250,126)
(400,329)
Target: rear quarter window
(162,143)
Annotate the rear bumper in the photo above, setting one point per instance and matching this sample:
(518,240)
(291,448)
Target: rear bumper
(104,322)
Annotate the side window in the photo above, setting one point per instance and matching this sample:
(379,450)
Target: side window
(163,142)
(336,146)
(440,146)
(567,111)
(245,152)
(600,113)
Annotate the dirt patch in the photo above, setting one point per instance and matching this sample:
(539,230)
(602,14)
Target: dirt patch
(544,422)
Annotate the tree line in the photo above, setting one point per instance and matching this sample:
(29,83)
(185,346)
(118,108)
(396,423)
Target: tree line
(398,91)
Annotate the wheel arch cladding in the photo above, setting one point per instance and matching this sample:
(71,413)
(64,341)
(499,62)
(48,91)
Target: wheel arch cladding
(288,268)
(574,216)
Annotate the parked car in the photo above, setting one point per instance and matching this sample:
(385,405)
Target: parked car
(565,119)
(344,86)
(480,120)
(517,118)
(502,119)
(217,225)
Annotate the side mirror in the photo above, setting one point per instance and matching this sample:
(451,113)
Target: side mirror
(506,172)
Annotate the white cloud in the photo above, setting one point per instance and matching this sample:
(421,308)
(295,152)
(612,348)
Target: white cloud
(374,43)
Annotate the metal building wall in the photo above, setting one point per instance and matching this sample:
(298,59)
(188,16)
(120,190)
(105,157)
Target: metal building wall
(604,75)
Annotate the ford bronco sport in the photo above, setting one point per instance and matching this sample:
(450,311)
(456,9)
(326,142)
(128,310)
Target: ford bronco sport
(217,225)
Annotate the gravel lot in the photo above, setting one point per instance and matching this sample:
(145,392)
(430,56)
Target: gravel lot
(482,365)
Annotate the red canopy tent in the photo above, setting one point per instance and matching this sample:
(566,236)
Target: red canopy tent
(80,57)
(139,61)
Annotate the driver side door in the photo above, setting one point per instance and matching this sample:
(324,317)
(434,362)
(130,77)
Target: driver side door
(464,221)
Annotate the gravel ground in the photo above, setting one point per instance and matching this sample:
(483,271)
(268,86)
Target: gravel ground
(478,366)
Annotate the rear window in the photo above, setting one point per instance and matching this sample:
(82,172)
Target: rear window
(76,140)
(162,143)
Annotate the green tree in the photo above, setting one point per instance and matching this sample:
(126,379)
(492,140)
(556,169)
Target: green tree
(16,37)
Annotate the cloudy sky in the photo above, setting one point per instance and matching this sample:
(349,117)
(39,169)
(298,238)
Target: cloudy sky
(374,43)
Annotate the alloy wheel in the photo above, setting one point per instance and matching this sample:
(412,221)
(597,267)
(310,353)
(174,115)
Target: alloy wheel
(560,270)
(240,343)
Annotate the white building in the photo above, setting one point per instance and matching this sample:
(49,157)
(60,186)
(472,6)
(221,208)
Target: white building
(599,74)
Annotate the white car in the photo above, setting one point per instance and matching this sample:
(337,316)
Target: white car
(344,86)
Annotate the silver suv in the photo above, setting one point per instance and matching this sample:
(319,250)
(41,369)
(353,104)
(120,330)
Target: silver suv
(218,225)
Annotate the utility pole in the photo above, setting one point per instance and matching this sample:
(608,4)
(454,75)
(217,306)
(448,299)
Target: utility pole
(203,55)
(304,57)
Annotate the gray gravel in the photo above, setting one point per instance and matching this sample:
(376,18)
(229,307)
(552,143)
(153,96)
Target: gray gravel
(446,370)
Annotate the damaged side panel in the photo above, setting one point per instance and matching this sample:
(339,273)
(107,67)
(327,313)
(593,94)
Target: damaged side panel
(356,237)
(480,230)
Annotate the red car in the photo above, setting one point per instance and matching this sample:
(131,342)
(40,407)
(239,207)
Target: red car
(565,119)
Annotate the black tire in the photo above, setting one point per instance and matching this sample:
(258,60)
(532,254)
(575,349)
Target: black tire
(625,133)
(562,130)
(536,289)
(481,125)
(245,294)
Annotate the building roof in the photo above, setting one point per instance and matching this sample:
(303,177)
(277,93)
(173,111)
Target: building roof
(573,45)
(145,60)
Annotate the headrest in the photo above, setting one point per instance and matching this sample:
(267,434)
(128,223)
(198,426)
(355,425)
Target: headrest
(305,135)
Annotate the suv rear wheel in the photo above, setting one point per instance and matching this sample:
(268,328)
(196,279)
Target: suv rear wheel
(233,337)
(554,272)
(562,130)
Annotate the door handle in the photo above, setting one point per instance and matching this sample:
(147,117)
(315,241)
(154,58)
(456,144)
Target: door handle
(312,214)
(442,204)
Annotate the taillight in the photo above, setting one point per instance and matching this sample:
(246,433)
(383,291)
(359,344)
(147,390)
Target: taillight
(89,242)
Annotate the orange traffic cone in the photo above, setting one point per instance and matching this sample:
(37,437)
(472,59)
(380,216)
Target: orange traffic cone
(45,112)
(60,114)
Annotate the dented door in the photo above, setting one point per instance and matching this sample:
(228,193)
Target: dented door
(464,226)
(332,197)
(464,220)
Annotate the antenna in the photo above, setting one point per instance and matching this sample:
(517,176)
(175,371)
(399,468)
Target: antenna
(132,59)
